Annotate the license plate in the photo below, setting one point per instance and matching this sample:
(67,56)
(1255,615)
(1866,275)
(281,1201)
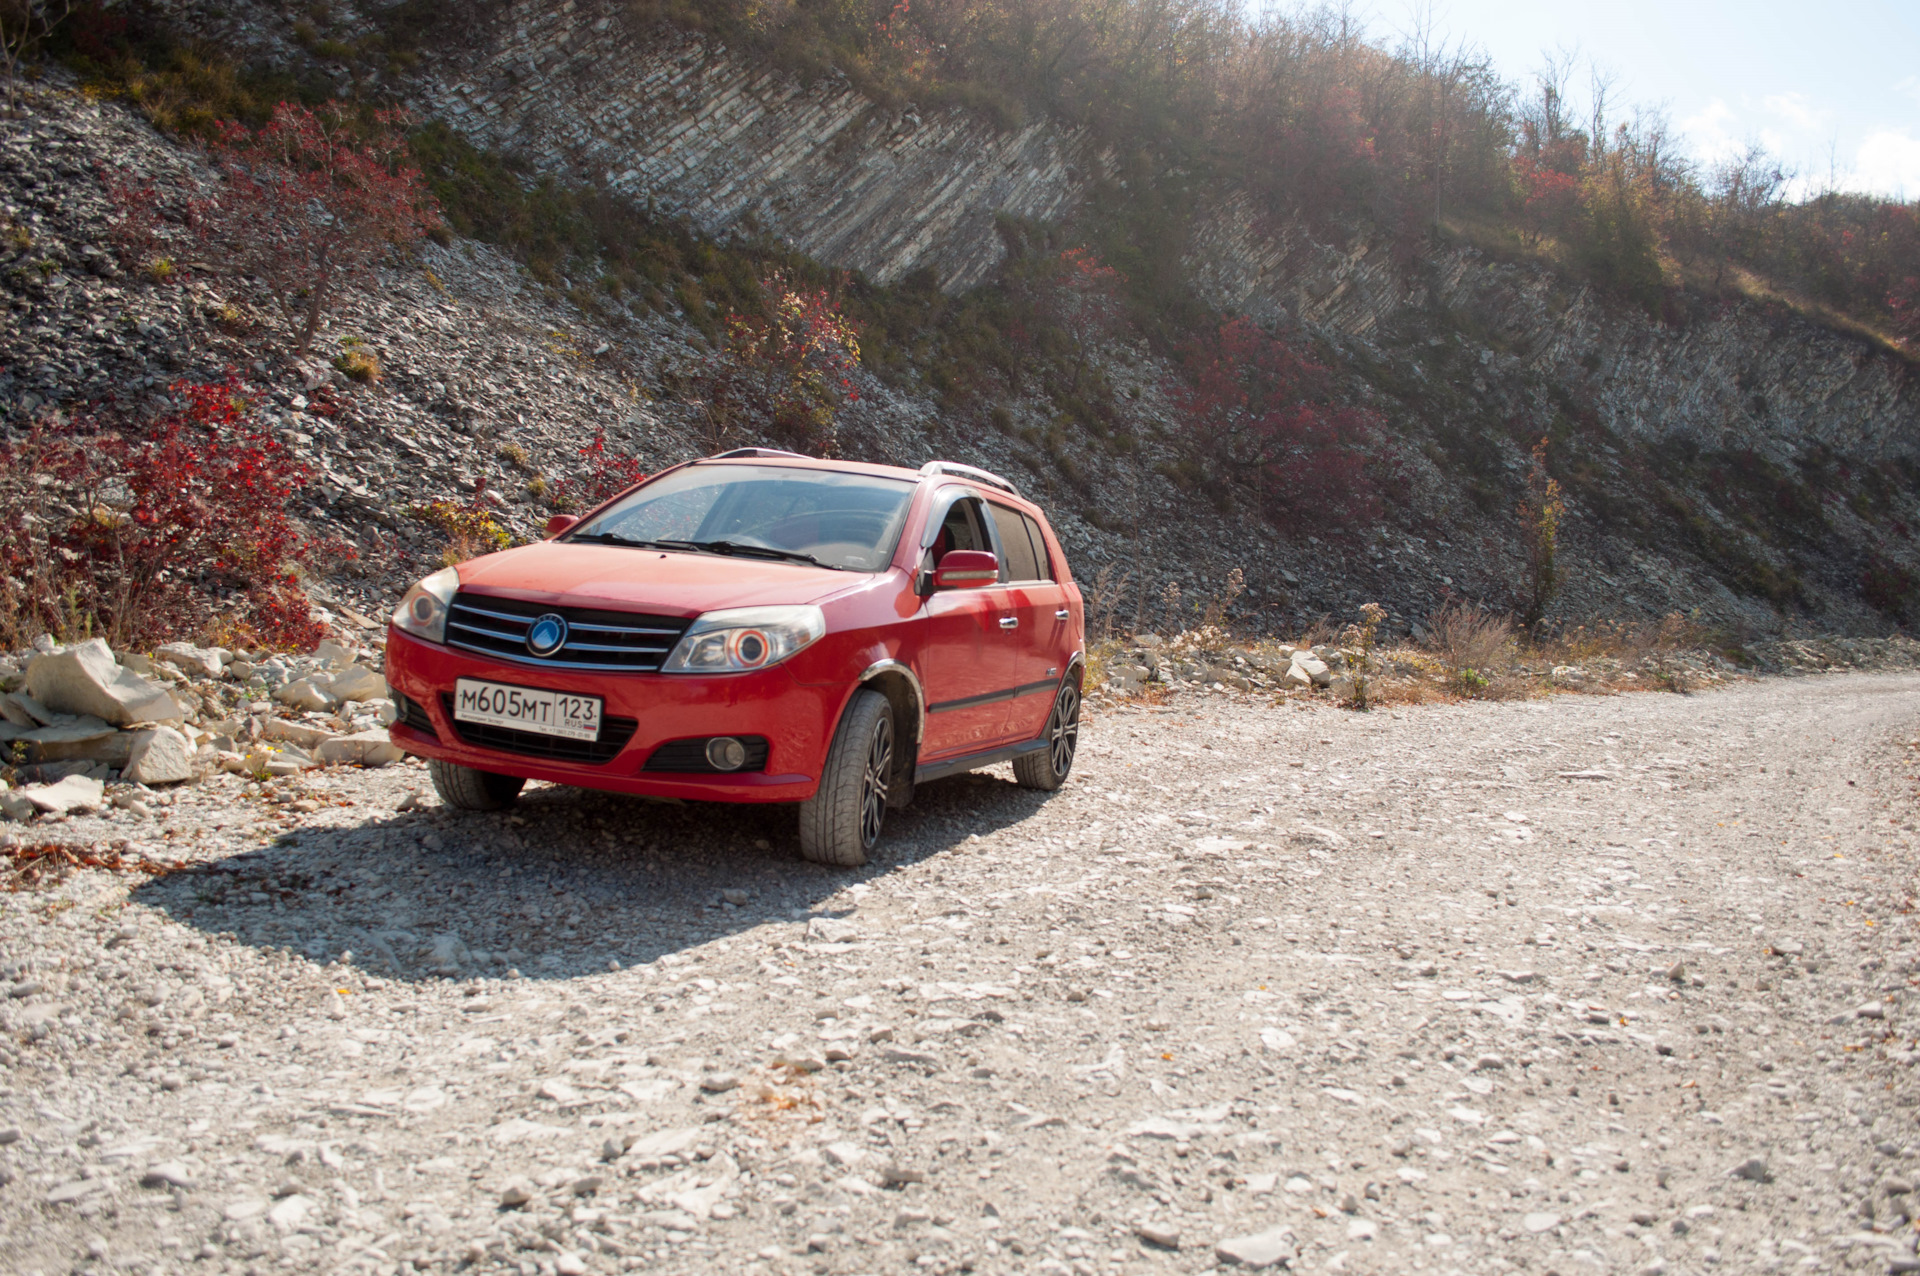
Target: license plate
(558,713)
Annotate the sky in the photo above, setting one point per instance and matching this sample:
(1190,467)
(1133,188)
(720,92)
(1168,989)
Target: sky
(1831,89)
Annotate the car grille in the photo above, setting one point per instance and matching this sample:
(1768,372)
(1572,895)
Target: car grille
(691,755)
(414,714)
(615,641)
(614,734)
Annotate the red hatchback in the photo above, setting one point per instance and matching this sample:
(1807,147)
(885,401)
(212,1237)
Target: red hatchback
(754,627)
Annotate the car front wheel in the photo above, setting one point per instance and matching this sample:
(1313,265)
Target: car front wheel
(841,822)
(1047,768)
(466,789)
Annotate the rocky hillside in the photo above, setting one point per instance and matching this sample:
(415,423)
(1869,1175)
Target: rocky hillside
(1733,461)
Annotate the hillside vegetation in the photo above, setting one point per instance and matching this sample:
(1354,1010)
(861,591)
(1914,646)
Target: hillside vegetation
(1439,443)
(1349,135)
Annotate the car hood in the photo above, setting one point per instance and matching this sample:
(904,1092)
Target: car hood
(661,582)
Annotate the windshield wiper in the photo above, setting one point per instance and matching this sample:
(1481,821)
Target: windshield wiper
(615,538)
(756,551)
(707,547)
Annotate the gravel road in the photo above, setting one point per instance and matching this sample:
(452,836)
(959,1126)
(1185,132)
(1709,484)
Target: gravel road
(1595,984)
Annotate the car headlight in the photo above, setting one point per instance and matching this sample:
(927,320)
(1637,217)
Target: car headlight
(745,638)
(423,612)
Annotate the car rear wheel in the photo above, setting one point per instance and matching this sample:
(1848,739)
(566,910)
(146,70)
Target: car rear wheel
(841,822)
(467,789)
(1047,768)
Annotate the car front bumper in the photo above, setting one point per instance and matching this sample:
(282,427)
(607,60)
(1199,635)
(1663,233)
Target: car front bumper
(795,719)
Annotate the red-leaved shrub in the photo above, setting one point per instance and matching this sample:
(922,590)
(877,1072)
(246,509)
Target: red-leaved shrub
(783,374)
(608,473)
(177,531)
(1261,412)
(313,199)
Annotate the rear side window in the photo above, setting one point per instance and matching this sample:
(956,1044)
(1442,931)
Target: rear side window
(1011,529)
(1043,562)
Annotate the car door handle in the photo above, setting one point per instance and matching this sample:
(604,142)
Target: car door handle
(1009,622)
(1063,614)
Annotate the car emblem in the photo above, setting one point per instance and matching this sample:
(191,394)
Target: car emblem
(547,635)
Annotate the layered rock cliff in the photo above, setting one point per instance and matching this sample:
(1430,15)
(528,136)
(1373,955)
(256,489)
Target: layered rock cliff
(1680,430)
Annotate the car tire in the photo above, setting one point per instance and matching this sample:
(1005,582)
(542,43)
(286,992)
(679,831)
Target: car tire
(466,789)
(1046,769)
(841,822)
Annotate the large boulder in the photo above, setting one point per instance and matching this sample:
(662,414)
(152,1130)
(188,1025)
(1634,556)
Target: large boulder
(159,756)
(84,679)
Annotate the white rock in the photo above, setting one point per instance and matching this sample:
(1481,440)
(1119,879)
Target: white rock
(1263,1249)
(303,734)
(84,679)
(201,662)
(17,806)
(85,737)
(844,1153)
(290,1211)
(159,756)
(1312,666)
(75,793)
(305,693)
(333,654)
(366,748)
(1540,1222)
(357,683)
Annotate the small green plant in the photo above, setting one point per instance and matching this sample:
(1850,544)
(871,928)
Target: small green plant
(161,270)
(538,487)
(1360,641)
(1215,613)
(515,455)
(1540,513)
(470,529)
(357,361)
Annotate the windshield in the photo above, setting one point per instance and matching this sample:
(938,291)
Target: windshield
(848,521)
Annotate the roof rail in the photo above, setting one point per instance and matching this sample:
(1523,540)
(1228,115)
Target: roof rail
(744,453)
(968,471)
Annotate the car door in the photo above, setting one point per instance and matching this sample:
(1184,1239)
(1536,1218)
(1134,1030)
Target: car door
(967,659)
(1033,599)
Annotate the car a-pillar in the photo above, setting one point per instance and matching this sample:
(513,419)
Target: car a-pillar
(897,683)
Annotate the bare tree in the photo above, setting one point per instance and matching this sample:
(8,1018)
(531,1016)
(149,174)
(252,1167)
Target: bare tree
(24,27)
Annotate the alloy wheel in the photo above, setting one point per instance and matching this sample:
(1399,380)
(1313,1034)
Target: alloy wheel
(1063,729)
(876,781)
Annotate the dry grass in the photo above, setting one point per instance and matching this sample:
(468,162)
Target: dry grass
(1468,653)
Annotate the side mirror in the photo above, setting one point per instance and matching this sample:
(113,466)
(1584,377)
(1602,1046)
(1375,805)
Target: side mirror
(966,569)
(560,523)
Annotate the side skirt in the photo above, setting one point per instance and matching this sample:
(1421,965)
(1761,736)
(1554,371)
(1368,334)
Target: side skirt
(929,771)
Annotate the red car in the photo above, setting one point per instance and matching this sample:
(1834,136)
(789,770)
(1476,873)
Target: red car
(754,627)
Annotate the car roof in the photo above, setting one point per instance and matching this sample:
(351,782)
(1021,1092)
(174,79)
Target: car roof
(936,471)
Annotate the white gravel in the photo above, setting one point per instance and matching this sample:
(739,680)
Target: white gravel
(1586,985)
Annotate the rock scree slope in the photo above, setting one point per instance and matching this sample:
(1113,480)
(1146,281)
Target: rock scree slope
(1601,983)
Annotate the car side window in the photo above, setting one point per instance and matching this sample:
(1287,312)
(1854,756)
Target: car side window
(961,528)
(1016,551)
(1043,562)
